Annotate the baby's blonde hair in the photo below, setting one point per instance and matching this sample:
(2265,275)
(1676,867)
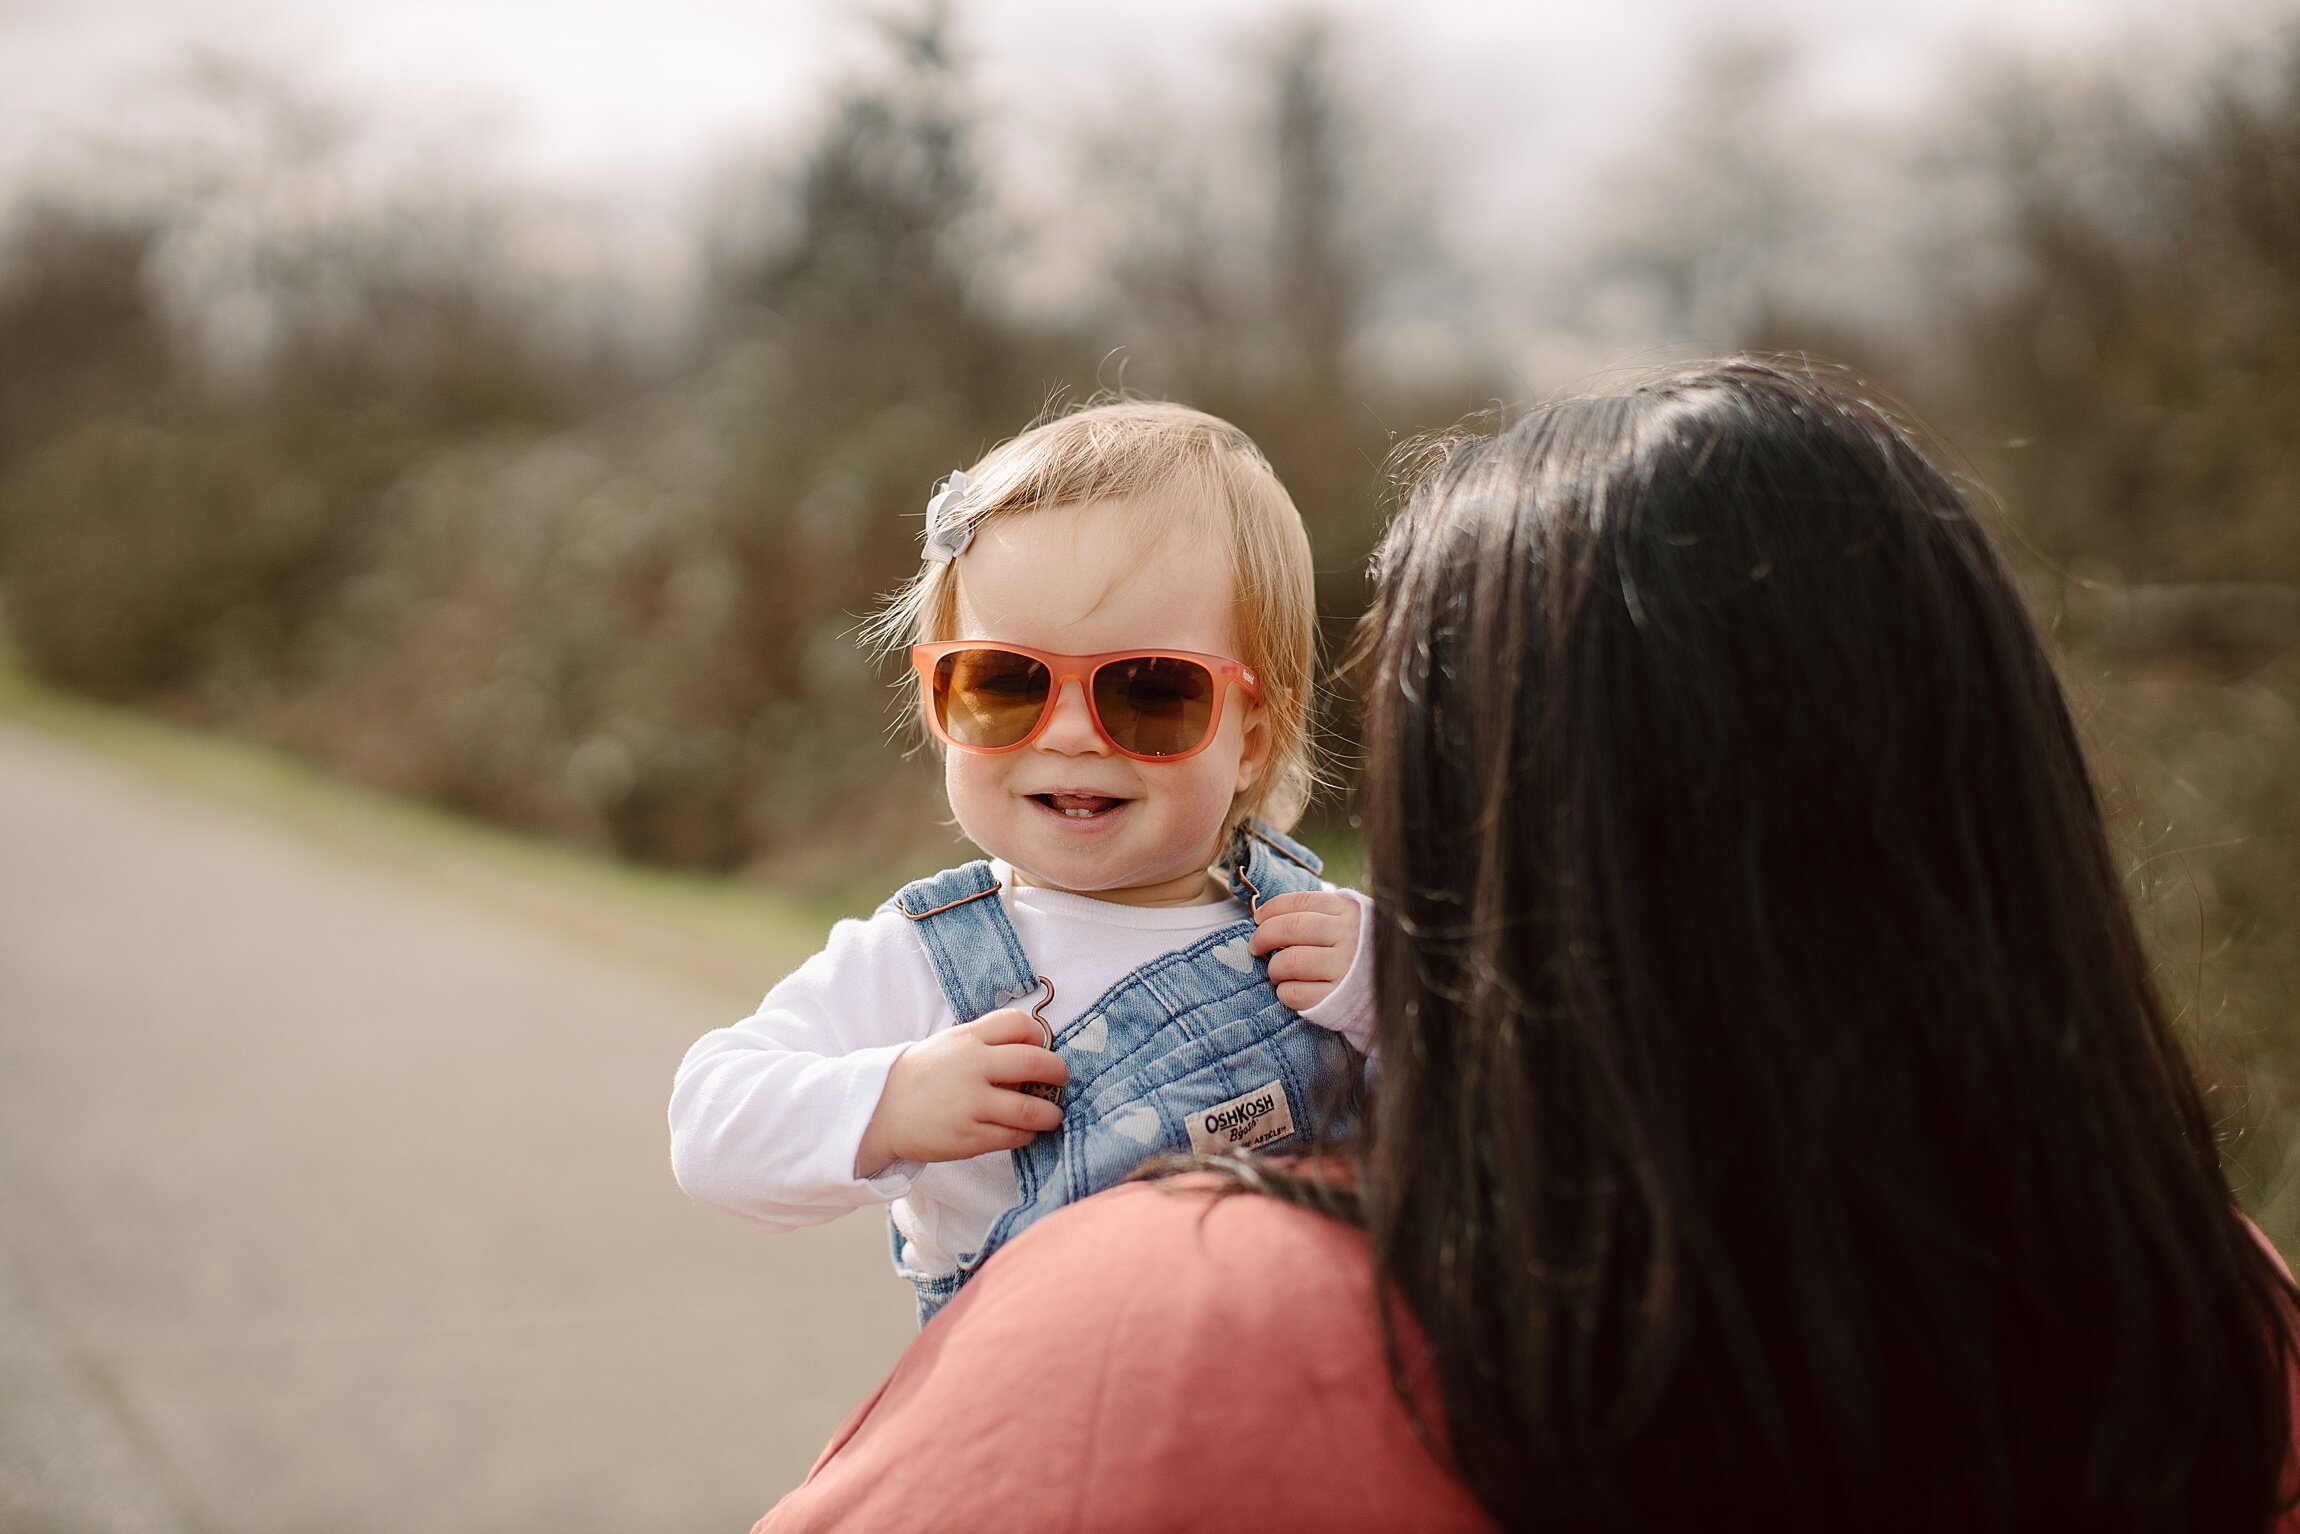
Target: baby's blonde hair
(1151,453)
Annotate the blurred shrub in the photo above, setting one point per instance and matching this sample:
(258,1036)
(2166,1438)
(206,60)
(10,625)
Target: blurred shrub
(563,633)
(89,372)
(165,534)
(135,555)
(79,329)
(2143,367)
(2135,391)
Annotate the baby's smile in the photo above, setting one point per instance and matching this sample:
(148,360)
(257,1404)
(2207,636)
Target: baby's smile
(1079,806)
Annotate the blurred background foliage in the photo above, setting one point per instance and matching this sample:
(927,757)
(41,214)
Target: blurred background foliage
(366,476)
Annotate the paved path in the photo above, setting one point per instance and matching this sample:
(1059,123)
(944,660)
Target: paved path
(328,1203)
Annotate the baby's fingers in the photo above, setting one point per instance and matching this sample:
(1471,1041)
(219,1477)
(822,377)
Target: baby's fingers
(1010,1063)
(1291,928)
(1302,995)
(1018,1111)
(1308,963)
(1008,1025)
(1329,902)
(998,1137)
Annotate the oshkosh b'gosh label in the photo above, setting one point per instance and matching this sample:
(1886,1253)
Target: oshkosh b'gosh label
(1248,1122)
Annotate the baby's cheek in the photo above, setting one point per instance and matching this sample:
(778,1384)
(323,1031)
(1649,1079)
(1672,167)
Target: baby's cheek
(1209,795)
(970,783)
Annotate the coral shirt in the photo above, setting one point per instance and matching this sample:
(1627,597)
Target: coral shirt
(1156,1358)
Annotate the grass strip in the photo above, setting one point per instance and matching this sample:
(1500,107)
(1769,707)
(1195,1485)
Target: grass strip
(723,934)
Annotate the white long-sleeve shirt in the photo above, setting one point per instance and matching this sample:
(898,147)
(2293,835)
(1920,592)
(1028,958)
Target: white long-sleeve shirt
(767,1115)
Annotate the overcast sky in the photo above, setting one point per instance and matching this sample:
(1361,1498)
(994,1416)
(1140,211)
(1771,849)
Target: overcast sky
(627,108)
(623,98)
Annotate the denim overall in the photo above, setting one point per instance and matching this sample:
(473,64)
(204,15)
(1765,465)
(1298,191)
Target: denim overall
(1191,1051)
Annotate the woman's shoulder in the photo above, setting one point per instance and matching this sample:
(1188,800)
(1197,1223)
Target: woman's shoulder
(1194,1229)
(1179,1277)
(1200,1270)
(1157,1355)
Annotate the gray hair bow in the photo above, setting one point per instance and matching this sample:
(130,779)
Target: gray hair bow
(944,541)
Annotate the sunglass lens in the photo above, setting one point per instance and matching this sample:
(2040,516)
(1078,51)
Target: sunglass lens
(1154,705)
(988,698)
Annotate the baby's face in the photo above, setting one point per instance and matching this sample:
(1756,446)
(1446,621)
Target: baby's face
(1066,810)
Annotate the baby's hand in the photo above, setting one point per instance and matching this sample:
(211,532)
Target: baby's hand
(1311,937)
(951,1096)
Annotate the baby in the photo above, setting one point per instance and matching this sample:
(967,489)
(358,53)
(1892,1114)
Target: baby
(1114,644)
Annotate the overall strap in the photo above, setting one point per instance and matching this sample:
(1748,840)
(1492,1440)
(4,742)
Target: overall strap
(977,959)
(1263,862)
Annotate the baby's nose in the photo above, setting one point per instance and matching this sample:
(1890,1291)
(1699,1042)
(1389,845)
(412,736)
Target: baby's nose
(1071,731)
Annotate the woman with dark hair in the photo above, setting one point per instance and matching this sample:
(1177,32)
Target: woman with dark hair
(1775,1124)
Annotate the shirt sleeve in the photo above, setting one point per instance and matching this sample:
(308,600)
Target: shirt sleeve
(1349,1007)
(766,1116)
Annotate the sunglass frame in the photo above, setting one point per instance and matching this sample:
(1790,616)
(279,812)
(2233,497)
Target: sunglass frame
(1063,669)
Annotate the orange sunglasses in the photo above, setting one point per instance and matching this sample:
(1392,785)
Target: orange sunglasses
(1152,705)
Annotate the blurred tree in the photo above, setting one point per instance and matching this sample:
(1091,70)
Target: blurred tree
(1318,284)
(1310,408)
(172,521)
(880,368)
(82,340)
(2133,386)
(1246,263)
(2147,356)
(1755,223)
(871,290)
(1708,228)
(78,325)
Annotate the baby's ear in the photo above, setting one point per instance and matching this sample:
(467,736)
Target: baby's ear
(1254,746)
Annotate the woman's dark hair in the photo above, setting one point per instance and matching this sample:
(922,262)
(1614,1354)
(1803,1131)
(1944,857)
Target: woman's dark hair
(1776,1123)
